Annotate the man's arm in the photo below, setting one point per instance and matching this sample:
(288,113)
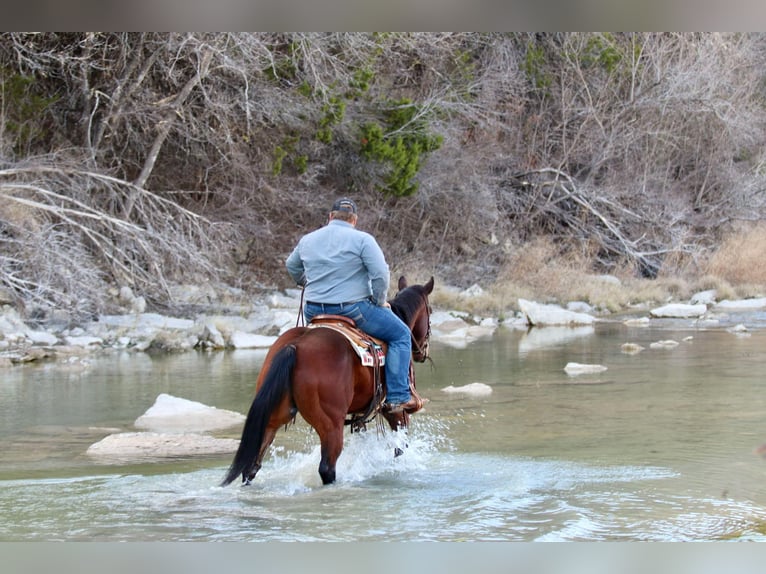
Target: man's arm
(295,268)
(377,269)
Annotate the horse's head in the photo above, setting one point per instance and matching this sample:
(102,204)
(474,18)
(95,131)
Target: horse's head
(412,306)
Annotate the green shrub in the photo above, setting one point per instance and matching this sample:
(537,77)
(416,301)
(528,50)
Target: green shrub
(399,141)
(21,108)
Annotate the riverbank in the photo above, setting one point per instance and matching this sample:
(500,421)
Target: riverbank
(235,321)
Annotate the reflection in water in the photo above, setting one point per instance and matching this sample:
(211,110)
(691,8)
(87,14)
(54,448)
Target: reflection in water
(536,339)
(658,447)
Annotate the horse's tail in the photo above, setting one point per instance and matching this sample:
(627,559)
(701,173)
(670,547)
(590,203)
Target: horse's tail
(273,389)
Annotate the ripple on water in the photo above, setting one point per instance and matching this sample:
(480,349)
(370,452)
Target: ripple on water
(427,494)
(664,451)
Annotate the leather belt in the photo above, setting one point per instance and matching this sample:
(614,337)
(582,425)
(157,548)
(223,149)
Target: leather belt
(341,305)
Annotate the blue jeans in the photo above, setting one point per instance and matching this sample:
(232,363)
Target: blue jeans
(381,323)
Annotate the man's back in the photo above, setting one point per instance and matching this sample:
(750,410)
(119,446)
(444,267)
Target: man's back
(339,264)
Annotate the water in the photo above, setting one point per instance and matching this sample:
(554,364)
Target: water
(660,447)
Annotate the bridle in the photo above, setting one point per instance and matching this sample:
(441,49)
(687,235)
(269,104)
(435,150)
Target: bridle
(419,350)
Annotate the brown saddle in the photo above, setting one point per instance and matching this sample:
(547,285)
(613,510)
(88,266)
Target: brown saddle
(372,353)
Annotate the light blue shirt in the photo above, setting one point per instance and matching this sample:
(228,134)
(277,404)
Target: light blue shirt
(339,264)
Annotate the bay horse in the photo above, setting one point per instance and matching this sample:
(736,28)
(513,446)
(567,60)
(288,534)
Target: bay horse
(315,372)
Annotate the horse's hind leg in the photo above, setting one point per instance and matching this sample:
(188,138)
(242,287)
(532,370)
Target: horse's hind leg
(249,474)
(332,445)
(281,416)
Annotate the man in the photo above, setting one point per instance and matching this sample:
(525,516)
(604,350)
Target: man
(343,272)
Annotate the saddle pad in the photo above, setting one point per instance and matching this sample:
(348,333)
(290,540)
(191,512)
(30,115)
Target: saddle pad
(363,344)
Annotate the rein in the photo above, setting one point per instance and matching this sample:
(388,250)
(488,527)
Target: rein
(300,320)
(427,338)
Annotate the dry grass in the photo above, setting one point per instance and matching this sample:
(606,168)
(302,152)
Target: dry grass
(539,271)
(740,258)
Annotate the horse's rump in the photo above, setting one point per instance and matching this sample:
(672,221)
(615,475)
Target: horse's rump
(328,369)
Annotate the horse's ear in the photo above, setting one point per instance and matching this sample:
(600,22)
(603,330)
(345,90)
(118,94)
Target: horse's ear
(429,286)
(402,282)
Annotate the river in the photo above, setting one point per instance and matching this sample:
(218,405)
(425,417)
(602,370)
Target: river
(659,447)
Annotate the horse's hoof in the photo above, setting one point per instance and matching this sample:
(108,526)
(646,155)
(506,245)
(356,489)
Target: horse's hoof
(398,452)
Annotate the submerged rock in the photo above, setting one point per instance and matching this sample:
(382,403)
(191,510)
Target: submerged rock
(475,389)
(665,344)
(679,311)
(141,446)
(174,427)
(574,369)
(631,348)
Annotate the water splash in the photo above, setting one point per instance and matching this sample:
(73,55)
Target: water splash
(366,455)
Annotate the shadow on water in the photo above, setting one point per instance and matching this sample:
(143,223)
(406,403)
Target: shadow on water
(660,446)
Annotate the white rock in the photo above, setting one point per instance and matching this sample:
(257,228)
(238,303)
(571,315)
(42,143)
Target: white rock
(637,322)
(575,369)
(42,337)
(445,321)
(11,323)
(126,294)
(261,320)
(145,321)
(83,341)
(213,336)
(257,321)
(579,307)
(138,305)
(704,297)
(631,348)
(743,304)
(666,344)
(173,414)
(285,320)
(282,301)
(740,330)
(679,311)
(450,328)
(474,389)
(240,340)
(538,314)
(131,446)
(473,291)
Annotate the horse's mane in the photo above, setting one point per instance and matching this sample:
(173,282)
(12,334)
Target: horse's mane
(407,302)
